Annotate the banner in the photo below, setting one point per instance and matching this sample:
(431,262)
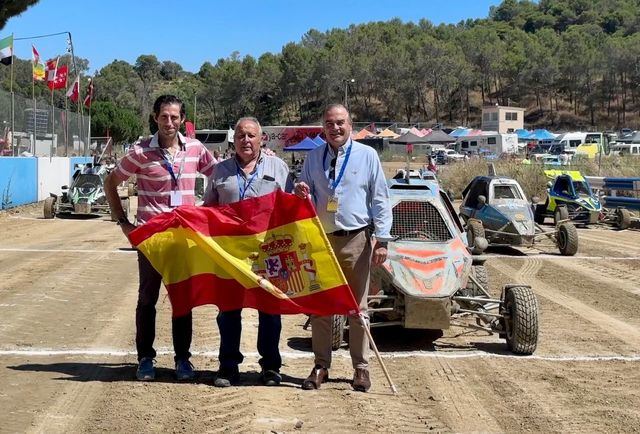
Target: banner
(269,253)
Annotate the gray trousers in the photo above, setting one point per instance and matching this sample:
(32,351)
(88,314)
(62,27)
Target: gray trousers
(354,255)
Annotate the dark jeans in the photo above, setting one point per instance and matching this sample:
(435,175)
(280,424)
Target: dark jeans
(148,292)
(230,326)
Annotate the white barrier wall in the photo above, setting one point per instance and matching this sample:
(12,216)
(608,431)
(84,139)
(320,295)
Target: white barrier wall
(53,173)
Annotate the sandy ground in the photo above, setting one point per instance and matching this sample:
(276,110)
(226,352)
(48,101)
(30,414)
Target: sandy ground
(67,356)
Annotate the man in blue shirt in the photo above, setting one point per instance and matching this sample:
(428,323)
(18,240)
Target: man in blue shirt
(345,180)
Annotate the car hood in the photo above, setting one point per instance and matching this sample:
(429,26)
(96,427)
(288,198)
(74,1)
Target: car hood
(427,269)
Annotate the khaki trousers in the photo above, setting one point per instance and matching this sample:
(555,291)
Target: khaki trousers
(354,255)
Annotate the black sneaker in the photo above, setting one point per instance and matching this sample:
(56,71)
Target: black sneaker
(227,377)
(270,378)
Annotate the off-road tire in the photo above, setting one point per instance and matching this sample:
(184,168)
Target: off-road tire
(482,276)
(562,213)
(50,207)
(539,213)
(337,331)
(567,238)
(623,218)
(474,230)
(521,320)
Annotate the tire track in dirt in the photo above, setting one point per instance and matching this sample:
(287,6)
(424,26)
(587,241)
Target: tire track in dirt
(619,276)
(230,410)
(514,403)
(613,239)
(614,326)
(464,411)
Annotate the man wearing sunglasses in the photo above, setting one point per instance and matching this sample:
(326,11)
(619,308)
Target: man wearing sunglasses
(347,185)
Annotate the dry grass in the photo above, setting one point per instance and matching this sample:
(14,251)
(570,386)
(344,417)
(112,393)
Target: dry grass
(455,177)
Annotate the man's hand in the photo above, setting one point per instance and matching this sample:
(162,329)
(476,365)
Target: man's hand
(379,253)
(301,190)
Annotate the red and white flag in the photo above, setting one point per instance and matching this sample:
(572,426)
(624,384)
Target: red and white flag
(73,92)
(89,97)
(56,75)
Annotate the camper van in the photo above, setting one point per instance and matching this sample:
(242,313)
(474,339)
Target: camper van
(578,143)
(488,143)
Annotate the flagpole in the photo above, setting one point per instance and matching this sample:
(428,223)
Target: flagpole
(80,108)
(13,105)
(33,94)
(66,126)
(365,326)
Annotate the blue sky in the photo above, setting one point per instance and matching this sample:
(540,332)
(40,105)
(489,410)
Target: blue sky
(192,32)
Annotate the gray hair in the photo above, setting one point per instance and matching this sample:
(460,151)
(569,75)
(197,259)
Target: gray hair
(249,119)
(330,107)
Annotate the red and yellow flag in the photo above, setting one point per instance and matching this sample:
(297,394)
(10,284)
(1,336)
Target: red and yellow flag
(269,253)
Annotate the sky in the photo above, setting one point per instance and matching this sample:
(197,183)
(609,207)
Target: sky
(192,32)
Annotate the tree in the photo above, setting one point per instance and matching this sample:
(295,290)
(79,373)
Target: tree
(11,8)
(109,120)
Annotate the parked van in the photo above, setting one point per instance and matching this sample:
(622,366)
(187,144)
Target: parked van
(488,142)
(579,143)
(215,140)
(626,149)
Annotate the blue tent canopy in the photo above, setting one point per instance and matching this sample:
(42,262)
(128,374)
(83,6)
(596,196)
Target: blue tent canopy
(523,134)
(306,145)
(459,132)
(541,134)
(319,140)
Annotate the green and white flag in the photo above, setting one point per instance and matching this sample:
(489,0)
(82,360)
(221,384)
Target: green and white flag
(6,50)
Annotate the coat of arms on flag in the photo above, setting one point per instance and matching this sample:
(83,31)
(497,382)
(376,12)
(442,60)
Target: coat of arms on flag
(269,253)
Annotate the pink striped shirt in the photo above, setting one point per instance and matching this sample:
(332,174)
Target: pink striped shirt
(147,162)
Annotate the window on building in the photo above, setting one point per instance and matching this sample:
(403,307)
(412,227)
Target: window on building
(491,140)
(494,116)
(511,116)
(485,116)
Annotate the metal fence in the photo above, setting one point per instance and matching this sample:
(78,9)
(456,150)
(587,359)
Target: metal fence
(34,133)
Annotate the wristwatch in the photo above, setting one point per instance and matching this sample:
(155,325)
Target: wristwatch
(122,220)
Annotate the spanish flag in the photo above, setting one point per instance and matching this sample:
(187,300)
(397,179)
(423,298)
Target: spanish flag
(269,253)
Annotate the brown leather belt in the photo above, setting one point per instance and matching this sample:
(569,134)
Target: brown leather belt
(343,233)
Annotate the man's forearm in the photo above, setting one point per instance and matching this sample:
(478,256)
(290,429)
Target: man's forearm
(111,191)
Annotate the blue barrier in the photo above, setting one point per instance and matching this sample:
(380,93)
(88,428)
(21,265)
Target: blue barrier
(624,202)
(18,181)
(621,183)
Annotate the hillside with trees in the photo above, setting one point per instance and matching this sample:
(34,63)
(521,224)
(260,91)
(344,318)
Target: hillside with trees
(570,63)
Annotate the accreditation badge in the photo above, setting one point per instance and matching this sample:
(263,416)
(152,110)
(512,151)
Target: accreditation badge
(332,204)
(175,199)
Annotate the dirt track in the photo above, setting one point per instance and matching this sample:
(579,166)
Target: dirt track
(67,361)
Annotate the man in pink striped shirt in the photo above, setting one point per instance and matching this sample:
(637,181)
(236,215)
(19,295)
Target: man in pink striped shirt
(165,166)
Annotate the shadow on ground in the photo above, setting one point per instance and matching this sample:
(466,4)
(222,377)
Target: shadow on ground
(115,372)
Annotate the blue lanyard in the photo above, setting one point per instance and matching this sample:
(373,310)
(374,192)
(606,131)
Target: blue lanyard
(167,165)
(244,186)
(334,184)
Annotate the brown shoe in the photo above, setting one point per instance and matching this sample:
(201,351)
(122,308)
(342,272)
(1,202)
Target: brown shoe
(318,376)
(361,381)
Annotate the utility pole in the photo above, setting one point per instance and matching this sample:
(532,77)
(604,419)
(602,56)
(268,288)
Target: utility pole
(346,91)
